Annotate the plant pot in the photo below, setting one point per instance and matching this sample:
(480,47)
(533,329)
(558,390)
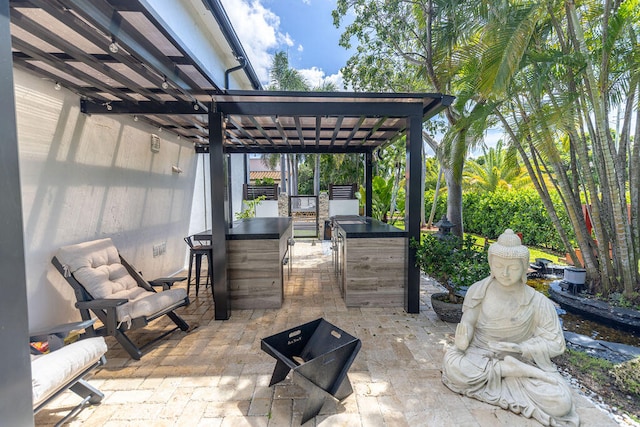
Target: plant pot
(446,311)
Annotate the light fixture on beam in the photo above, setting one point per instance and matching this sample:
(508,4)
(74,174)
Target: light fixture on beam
(57,86)
(113,47)
(135,118)
(108,105)
(165,84)
(196,107)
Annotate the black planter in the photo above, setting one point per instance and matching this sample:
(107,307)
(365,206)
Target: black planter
(447,311)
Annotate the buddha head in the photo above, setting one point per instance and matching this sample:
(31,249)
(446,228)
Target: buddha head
(509,259)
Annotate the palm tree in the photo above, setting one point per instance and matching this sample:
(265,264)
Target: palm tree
(555,71)
(407,45)
(495,169)
(285,78)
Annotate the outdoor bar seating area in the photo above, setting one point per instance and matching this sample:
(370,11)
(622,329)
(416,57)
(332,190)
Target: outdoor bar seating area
(127,137)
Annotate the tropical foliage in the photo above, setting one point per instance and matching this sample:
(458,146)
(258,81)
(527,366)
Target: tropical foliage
(552,74)
(495,169)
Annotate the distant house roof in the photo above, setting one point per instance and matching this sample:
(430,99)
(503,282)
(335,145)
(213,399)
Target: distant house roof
(275,175)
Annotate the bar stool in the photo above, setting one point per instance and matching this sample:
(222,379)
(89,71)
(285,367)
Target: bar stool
(196,251)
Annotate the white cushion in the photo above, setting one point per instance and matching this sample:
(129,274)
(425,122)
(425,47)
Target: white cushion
(147,303)
(96,265)
(52,371)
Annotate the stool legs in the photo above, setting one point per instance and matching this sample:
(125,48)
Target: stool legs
(190,270)
(197,257)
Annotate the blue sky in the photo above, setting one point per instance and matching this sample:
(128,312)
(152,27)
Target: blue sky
(303,28)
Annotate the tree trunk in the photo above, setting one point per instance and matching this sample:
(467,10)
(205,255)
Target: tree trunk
(454,202)
(316,174)
(283,173)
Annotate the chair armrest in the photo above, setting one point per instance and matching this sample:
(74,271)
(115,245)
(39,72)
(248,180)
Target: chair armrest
(61,330)
(56,335)
(166,282)
(109,306)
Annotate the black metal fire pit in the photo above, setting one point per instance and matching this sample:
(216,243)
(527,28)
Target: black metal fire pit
(319,354)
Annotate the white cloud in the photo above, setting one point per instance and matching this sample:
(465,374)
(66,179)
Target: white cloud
(315,76)
(257,28)
(285,39)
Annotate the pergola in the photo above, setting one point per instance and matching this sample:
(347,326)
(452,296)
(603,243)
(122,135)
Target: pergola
(120,57)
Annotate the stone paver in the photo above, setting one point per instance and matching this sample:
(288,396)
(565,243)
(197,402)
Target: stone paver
(218,376)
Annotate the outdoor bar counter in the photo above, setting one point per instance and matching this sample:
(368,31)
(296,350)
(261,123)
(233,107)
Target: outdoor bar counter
(370,259)
(256,248)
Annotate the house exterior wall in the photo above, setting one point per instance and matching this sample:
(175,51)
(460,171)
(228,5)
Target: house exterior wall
(88,177)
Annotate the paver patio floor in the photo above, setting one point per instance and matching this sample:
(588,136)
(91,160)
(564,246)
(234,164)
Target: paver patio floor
(217,375)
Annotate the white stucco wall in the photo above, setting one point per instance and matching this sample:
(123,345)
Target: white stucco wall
(238,178)
(201,206)
(203,38)
(86,177)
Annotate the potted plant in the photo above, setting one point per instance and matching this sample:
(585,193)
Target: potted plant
(454,262)
(249,210)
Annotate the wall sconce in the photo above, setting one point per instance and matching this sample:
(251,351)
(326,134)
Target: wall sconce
(155,143)
(176,169)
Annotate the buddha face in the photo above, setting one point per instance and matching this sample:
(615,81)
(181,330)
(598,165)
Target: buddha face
(507,271)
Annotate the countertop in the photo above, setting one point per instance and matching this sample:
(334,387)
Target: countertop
(366,227)
(253,229)
(258,228)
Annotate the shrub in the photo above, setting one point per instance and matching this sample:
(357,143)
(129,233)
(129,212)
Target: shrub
(489,214)
(265,181)
(456,263)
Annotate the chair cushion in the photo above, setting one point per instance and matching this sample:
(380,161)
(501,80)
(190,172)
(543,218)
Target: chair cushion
(147,303)
(96,265)
(52,372)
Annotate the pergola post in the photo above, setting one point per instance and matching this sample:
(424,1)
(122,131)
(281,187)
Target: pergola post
(15,382)
(412,209)
(368,179)
(219,221)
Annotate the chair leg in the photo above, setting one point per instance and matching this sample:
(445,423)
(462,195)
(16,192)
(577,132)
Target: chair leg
(179,321)
(190,271)
(83,389)
(128,345)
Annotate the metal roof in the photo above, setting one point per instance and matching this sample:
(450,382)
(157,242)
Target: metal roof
(121,58)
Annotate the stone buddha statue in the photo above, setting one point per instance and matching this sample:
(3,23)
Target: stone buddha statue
(505,341)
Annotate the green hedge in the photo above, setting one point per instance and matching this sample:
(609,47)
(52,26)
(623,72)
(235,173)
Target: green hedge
(489,214)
